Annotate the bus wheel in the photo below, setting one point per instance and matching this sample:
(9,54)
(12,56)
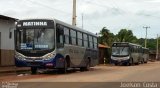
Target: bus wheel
(65,66)
(137,63)
(142,61)
(82,69)
(131,62)
(145,62)
(116,64)
(33,70)
(87,66)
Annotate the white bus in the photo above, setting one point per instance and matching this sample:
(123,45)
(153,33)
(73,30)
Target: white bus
(126,53)
(50,43)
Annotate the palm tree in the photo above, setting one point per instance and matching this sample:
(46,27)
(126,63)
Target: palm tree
(106,37)
(125,35)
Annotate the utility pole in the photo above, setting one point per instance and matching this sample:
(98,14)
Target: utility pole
(157,49)
(74,13)
(146,36)
(82,20)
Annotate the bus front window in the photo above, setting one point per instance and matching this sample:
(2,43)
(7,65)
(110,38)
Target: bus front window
(35,39)
(120,51)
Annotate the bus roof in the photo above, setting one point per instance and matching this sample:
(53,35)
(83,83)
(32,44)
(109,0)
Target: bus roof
(126,43)
(74,27)
(62,23)
(145,48)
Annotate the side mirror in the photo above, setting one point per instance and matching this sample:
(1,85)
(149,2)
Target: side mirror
(60,30)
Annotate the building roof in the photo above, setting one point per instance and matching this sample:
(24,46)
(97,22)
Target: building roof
(7,18)
(103,46)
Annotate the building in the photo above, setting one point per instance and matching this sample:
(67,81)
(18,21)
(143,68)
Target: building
(104,53)
(7,26)
(152,55)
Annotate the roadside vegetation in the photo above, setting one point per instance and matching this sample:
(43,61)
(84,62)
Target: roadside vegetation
(124,35)
(106,37)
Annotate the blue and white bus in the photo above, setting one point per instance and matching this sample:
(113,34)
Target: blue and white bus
(50,43)
(126,53)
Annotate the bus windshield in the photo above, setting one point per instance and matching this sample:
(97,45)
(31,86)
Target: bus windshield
(35,39)
(120,51)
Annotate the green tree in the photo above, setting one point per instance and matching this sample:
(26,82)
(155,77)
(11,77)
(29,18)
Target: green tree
(125,35)
(106,37)
(151,43)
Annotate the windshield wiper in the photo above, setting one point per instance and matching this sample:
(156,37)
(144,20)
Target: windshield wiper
(122,49)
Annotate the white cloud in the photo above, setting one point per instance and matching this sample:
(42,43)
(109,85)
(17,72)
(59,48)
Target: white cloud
(114,14)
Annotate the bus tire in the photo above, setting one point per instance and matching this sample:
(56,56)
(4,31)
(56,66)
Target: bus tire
(68,61)
(82,69)
(130,62)
(65,66)
(137,63)
(116,64)
(145,62)
(33,70)
(87,65)
(142,62)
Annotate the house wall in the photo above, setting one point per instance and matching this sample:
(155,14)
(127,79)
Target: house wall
(101,55)
(6,42)
(104,53)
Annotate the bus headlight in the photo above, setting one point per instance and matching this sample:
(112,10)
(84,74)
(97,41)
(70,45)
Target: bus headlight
(113,58)
(125,58)
(120,58)
(19,56)
(48,56)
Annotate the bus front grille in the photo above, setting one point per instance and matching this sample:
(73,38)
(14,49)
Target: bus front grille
(34,63)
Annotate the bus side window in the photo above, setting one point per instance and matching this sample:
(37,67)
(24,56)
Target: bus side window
(90,42)
(73,36)
(85,40)
(59,35)
(95,42)
(79,37)
(66,35)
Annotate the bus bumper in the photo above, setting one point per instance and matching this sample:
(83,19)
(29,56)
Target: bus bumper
(120,61)
(38,64)
(55,62)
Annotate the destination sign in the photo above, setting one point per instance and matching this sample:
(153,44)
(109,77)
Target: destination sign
(120,44)
(35,23)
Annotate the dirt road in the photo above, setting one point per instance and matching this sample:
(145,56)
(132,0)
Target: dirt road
(139,73)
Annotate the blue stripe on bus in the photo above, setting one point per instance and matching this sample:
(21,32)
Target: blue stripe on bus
(24,63)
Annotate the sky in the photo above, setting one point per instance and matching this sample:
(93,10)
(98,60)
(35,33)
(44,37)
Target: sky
(112,14)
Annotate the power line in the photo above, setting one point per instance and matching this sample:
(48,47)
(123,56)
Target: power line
(82,20)
(100,5)
(46,6)
(51,8)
